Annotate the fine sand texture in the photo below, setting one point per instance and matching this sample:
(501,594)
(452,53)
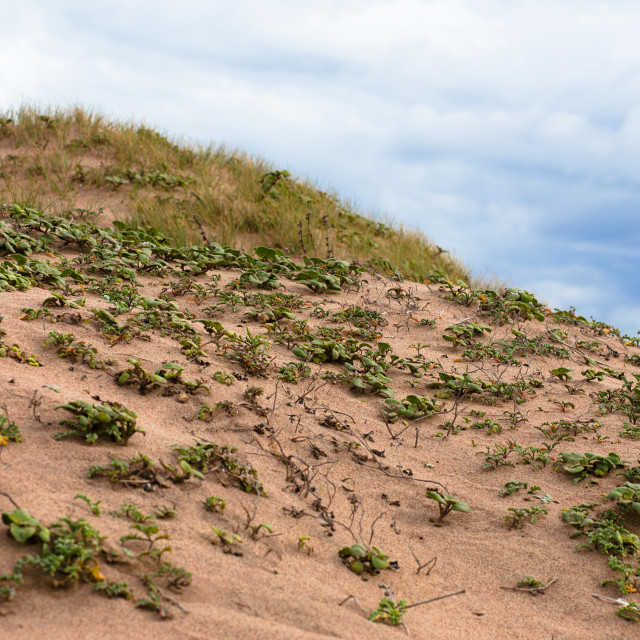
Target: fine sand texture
(335,465)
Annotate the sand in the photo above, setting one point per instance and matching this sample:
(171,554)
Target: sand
(275,589)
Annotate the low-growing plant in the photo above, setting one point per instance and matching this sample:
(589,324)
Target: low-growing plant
(464,333)
(304,544)
(602,534)
(411,408)
(630,431)
(137,471)
(70,549)
(9,431)
(68,346)
(446,504)
(206,412)
(592,374)
(175,578)
(562,373)
(210,457)
(582,464)
(23,527)
(363,559)
(228,540)
(215,504)
(628,579)
(511,487)
(118,589)
(629,611)
(389,611)
(498,455)
(488,424)
(293,372)
(94,506)
(517,517)
(92,421)
(223,378)
(148,533)
(627,496)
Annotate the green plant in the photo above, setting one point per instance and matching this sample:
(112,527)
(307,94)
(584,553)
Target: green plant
(251,394)
(9,431)
(294,371)
(511,487)
(137,471)
(628,579)
(562,373)
(583,464)
(228,540)
(113,589)
(210,457)
(389,611)
(592,374)
(304,544)
(94,506)
(223,378)
(362,559)
(631,431)
(175,578)
(109,419)
(464,333)
(529,582)
(602,534)
(24,527)
(70,550)
(491,426)
(629,611)
(446,504)
(627,496)
(215,504)
(411,408)
(517,517)
(68,346)
(149,534)
(625,400)
(497,457)
(206,412)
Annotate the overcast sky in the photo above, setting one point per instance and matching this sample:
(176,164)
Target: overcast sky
(507,130)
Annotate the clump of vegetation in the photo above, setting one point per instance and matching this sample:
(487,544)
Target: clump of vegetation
(228,540)
(92,421)
(68,346)
(362,559)
(209,457)
(389,611)
(9,431)
(627,496)
(582,464)
(70,549)
(446,504)
(215,504)
(168,378)
(603,534)
(137,471)
(517,517)
(293,372)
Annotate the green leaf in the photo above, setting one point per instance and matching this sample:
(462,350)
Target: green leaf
(379,564)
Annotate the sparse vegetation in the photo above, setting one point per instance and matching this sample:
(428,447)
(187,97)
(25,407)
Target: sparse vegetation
(380,366)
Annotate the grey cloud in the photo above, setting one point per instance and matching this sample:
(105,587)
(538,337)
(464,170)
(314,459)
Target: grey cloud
(508,132)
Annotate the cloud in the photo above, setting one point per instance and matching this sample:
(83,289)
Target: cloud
(508,132)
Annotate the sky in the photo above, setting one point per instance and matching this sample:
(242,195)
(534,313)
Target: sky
(508,131)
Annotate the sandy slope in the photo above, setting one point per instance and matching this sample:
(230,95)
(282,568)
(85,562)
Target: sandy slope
(275,590)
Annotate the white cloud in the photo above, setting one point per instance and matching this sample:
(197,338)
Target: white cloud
(509,131)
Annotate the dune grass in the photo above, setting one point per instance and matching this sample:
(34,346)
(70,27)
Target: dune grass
(55,158)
